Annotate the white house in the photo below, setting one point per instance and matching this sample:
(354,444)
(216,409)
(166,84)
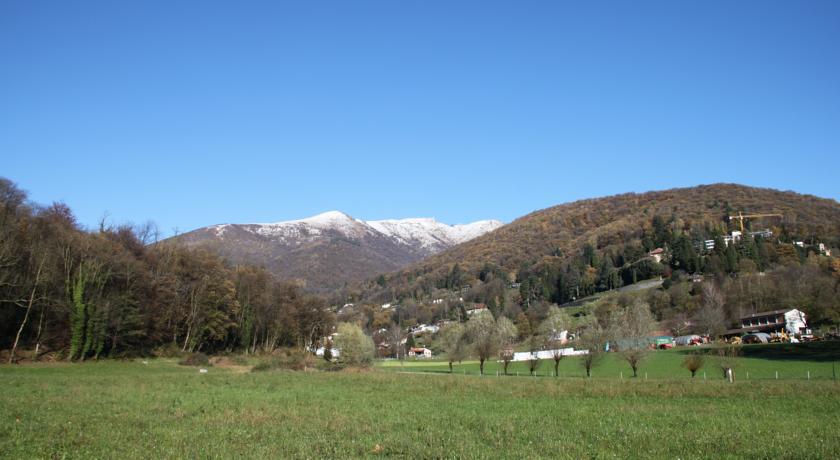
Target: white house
(424,328)
(419,353)
(478,308)
(657,254)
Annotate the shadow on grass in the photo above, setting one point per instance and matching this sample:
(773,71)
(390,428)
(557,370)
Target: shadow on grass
(808,351)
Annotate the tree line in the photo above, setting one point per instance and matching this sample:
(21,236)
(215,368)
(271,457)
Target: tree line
(119,291)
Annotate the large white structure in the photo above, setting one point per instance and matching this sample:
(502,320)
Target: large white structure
(547,354)
(791,321)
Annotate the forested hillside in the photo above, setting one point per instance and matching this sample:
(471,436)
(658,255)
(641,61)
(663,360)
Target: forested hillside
(580,248)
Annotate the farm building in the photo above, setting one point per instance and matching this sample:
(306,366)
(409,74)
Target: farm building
(790,321)
(686,340)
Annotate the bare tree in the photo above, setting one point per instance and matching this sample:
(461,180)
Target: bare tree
(711,319)
(451,339)
(487,336)
(552,329)
(632,326)
(395,339)
(506,332)
(593,339)
(534,358)
(694,362)
(30,301)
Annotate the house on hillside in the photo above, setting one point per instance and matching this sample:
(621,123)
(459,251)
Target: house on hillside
(790,321)
(423,328)
(419,353)
(657,254)
(766,233)
(477,308)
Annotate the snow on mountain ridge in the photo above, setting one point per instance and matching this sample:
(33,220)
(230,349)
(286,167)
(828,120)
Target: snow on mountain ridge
(425,233)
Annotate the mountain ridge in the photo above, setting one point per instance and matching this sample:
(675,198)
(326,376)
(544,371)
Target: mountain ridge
(330,249)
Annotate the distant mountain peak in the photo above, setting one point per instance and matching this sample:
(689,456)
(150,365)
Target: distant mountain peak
(334,247)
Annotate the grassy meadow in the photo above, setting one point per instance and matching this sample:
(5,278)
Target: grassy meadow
(128,409)
(757,362)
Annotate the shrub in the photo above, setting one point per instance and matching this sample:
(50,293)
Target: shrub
(288,358)
(195,359)
(355,347)
(693,362)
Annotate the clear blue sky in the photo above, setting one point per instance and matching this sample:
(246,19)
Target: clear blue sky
(195,113)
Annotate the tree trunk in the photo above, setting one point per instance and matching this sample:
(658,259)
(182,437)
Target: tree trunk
(557,368)
(450,367)
(481,365)
(28,310)
(187,338)
(38,336)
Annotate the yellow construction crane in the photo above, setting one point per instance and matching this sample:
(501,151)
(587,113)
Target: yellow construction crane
(741,217)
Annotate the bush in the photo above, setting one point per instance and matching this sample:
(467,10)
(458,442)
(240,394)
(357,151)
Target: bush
(195,359)
(169,350)
(355,347)
(288,358)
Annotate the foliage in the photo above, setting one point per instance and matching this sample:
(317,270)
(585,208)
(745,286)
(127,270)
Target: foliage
(630,328)
(693,362)
(118,291)
(487,336)
(452,341)
(293,359)
(594,340)
(578,249)
(355,347)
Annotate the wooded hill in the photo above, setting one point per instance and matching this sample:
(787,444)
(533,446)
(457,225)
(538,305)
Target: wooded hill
(604,242)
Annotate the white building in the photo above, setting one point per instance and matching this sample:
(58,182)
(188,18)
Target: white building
(791,321)
(419,353)
(423,328)
(547,354)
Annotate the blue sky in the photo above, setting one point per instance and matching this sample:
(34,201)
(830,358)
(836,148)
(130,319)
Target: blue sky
(195,113)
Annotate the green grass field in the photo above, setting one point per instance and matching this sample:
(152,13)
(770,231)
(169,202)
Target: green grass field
(126,409)
(791,361)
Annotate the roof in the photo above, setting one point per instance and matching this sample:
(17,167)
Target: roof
(752,329)
(657,251)
(768,313)
(417,350)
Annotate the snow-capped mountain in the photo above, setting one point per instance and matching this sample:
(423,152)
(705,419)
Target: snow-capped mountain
(330,249)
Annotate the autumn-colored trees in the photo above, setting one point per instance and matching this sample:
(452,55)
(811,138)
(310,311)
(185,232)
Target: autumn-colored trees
(116,290)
